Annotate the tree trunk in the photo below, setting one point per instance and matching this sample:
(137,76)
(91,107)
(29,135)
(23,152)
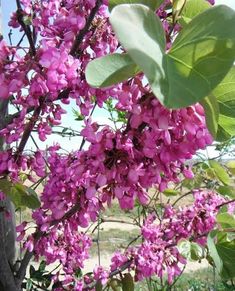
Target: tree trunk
(7,227)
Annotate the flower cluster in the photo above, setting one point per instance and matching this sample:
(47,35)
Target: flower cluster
(158,255)
(149,150)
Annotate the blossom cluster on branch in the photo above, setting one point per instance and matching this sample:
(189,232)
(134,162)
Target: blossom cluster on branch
(149,150)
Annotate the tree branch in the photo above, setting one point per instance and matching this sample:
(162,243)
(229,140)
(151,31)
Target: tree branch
(83,32)
(225,203)
(26,28)
(6,275)
(62,95)
(29,127)
(65,93)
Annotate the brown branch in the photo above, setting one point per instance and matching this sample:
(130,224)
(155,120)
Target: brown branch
(8,119)
(65,93)
(181,197)
(26,28)
(83,32)
(225,203)
(6,276)
(28,128)
(103,220)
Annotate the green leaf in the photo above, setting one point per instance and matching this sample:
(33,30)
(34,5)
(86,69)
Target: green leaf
(196,251)
(5,186)
(42,266)
(191,9)
(128,283)
(210,173)
(78,116)
(221,236)
(226,251)
(228,124)
(222,134)
(31,271)
(21,196)
(211,109)
(29,285)
(194,183)
(115,284)
(225,94)
(200,57)
(170,192)
(214,253)
(227,191)
(226,220)
(27,20)
(231,166)
(98,286)
(220,172)
(184,248)
(141,33)
(28,197)
(109,70)
(177,8)
(47,279)
(78,273)
(190,250)
(152,4)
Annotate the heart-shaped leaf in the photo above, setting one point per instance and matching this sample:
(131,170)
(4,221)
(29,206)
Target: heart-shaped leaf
(201,55)
(110,69)
(141,33)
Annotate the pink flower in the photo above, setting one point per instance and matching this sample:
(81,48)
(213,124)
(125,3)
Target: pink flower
(100,274)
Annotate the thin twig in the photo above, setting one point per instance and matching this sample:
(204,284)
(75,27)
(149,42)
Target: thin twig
(83,140)
(98,241)
(225,203)
(181,197)
(117,221)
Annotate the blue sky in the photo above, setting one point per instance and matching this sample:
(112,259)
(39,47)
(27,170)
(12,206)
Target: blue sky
(68,120)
